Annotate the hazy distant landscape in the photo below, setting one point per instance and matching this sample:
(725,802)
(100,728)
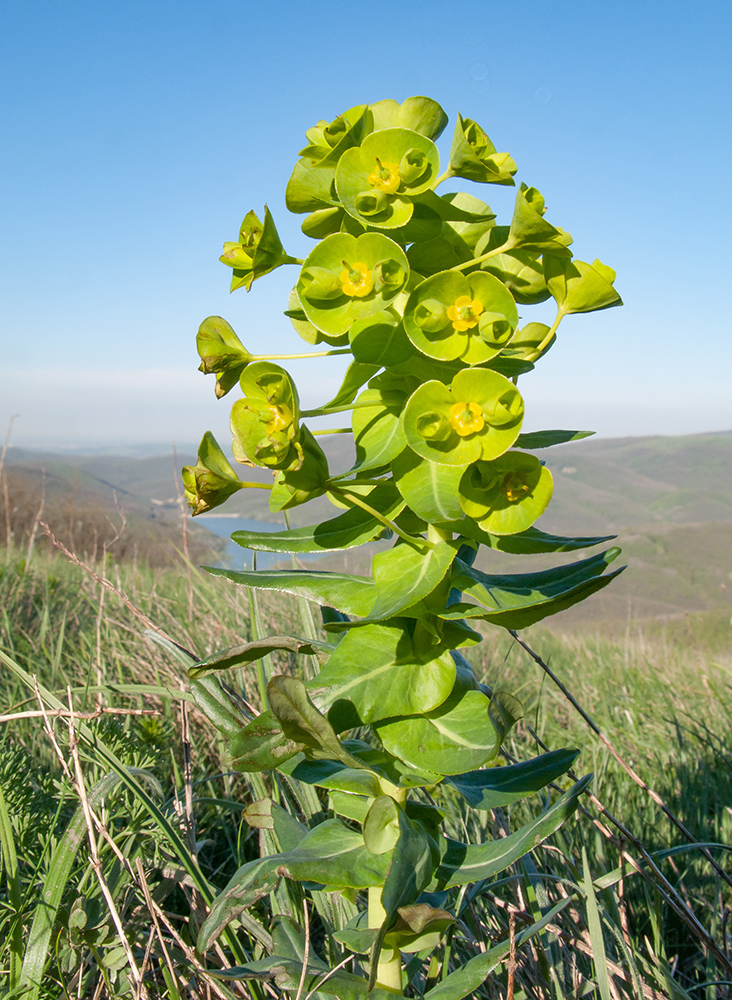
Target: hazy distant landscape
(668,499)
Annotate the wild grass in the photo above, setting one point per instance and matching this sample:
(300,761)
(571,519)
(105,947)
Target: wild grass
(118,827)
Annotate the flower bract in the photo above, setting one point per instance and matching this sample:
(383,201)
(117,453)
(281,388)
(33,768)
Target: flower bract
(506,495)
(478,416)
(377,180)
(451,315)
(348,278)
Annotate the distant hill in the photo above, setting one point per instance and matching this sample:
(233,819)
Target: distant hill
(669,500)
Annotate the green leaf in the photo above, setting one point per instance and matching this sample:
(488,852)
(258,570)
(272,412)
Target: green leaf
(330,854)
(311,187)
(248,652)
(287,975)
(430,489)
(221,352)
(466,979)
(288,940)
(525,343)
(302,722)
(268,815)
(528,542)
(500,786)
(375,672)
(411,867)
(354,595)
(333,775)
(594,926)
(464,863)
(357,374)
(547,439)
(377,429)
(404,575)
(455,737)
(523,599)
(261,745)
(305,329)
(379,340)
(381,827)
(217,706)
(354,527)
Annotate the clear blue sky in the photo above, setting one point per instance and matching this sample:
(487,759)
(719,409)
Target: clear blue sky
(136,135)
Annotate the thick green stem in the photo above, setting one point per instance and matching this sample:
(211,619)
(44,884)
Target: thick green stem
(389,963)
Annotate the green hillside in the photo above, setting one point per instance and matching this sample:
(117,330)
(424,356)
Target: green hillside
(668,499)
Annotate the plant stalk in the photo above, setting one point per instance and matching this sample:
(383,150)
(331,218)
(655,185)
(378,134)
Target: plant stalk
(389,963)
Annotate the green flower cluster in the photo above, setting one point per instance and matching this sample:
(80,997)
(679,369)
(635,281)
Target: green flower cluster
(421,288)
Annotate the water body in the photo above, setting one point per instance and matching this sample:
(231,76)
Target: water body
(237,557)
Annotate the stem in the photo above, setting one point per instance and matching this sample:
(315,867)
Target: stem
(355,499)
(443,177)
(550,333)
(508,245)
(254,486)
(294,260)
(389,968)
(323,411)
(335,430)
(290,357)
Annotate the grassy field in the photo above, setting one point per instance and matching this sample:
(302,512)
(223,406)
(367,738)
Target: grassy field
(172,828)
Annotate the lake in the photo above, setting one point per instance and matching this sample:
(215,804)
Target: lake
(237,557)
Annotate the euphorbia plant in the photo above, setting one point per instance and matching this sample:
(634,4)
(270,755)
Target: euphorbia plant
(425,291)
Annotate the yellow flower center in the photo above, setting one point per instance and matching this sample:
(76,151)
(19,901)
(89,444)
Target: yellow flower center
(514,487)
(465,313)
(385,178)
(277,418)
(466,418)
(356,279)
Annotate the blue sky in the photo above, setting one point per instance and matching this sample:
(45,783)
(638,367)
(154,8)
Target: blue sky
(137,135)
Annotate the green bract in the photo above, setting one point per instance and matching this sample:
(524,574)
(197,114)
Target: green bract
(420,290)
(507,495)
(258,251)
(521,271)
(211,480)
(474,156)
(347,278)
(580,287)
(377,180)
(221,352)
(477,417)
(451,316)
(265,422)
